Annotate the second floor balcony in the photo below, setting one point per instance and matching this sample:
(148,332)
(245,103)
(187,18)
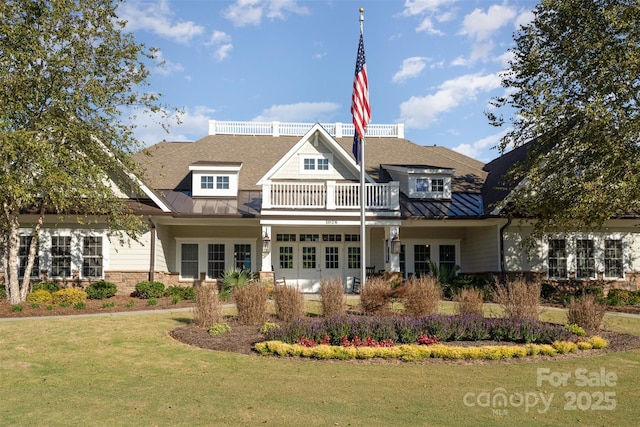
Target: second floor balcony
(329,195)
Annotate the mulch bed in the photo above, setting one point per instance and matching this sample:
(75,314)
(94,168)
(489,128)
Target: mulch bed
(241,339)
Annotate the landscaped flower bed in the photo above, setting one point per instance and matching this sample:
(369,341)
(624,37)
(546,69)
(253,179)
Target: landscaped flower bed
(409,338)
(406,330)
(415,352)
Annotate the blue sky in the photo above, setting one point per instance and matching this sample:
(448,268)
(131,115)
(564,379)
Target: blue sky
(433,65)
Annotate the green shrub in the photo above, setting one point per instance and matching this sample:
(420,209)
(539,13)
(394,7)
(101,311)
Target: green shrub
(108,304)
(16,308)
(596,290)
(146,290)
(101,290)
(80,305)
(39,296)
(219,328)
(182,292)
(3,292)
(152,301)
(49,286)
(35,305)
(618,296)
(175,299)
(234,278)
(130,304)
(68,296)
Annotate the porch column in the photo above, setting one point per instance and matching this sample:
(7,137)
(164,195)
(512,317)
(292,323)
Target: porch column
(266,272)
(392,233)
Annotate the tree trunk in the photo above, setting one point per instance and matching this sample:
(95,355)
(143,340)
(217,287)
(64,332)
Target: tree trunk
(16,291)
(13,243)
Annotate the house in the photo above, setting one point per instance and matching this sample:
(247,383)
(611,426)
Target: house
(283,200)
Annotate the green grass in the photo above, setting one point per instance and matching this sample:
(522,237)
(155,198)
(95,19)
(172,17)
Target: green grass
(127,370)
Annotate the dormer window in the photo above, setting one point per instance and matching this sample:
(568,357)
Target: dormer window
(206,182)
(437,185)
(422,182)
(215,179)
(222,182)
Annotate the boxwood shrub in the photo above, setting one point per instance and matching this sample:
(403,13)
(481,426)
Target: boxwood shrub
(181,292)
(147,290)
(101,290)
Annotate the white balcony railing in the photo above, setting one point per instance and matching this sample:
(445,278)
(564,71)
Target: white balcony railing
(337,130)
(329,195)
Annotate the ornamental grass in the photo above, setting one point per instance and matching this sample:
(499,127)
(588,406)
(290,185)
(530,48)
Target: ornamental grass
(289,302)
(332,297)
(208,309)
(519,299)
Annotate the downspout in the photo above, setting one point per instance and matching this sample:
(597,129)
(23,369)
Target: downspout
(502,261)
(152,252)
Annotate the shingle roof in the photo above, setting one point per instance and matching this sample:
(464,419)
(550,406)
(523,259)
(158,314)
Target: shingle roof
(167,165)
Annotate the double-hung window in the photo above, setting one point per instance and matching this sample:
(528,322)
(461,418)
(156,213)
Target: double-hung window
(23,257)
(189,261)
(61,256)
(92,256)
(558,258)
(585,259)
(613,258)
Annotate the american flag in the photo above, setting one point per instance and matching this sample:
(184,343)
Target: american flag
(360,109)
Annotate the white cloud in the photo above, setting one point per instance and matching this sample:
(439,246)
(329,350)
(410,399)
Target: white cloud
(277,8)
(481,26)
(221,42)
(250,12)
(156,18)
(427,10)
(164,66)
(190,125)
(427,26)
(524,18)
(421,111)
(418,7)
(482,146)
(300,112)
(411,67)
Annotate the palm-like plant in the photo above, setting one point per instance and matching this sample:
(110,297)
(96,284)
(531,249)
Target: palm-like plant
(232,278)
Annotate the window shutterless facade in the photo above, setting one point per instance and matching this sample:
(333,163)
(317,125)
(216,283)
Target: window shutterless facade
(23,257)
(189,261)
(613,266)
(61,256)
(421,258)
(585,259)
(215,260)
(92,261)
(557,258)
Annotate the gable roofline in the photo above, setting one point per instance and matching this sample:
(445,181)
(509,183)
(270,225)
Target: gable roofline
(146,190)
(331,142)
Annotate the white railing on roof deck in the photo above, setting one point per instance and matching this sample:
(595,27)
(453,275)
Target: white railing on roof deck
(337,130)
(328,195)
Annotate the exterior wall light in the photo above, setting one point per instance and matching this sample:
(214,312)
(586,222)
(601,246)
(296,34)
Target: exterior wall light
(396,244)
(266,243)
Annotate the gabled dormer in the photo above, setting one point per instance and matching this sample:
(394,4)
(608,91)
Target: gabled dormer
(422,181)
(214,179)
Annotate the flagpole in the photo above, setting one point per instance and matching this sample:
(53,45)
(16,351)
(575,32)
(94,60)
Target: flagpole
(363,195)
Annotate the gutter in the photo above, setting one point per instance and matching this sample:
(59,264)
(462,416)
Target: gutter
(502,262)
(152,251)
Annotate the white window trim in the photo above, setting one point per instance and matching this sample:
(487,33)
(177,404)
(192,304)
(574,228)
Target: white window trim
(598,254)
(202,254)
(315,157)
(77,237)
